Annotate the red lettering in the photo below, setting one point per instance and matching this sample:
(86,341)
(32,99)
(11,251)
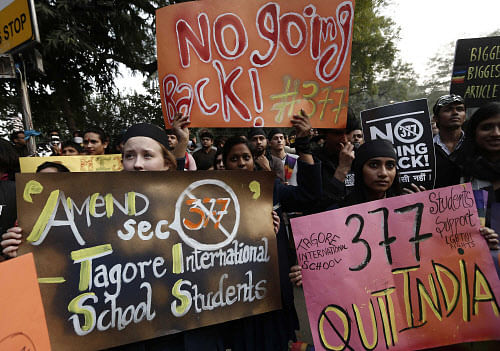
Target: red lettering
(200,97)
(169,85)
(345,14)
(186,37)
(183,104)
(287,22)
(233,22)
(267,15)
(228,95)
(257,92)
(328,27)
(316,24)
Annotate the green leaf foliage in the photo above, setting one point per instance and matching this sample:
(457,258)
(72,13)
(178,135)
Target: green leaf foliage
(83,42)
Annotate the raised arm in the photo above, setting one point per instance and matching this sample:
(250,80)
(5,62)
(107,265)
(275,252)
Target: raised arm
(181,130)
(302,143)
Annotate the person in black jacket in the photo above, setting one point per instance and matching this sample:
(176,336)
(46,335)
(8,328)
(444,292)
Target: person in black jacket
(336,158)
(449,115)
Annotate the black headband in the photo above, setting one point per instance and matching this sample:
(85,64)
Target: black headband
(147,130)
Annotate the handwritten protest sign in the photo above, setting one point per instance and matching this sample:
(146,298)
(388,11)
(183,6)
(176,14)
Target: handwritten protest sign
(22,320)
(495,225)
(242,63)
(403,273)
(408,127)
(83,163)
(135,255)
(476,70)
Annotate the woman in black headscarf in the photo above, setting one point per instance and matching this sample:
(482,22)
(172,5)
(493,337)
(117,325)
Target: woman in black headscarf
(375,173)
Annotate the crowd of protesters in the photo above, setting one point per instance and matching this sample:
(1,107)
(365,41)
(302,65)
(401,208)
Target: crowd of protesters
(316,170)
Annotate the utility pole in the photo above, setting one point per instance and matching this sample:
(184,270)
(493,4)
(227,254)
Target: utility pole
(23,35)
(25,100)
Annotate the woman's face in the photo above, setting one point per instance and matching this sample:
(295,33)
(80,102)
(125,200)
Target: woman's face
(240,157)
(488,135)
(93,144)
(379,174)
(219,163)
(143,154)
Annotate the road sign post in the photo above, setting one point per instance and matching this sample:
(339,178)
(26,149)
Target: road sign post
(18,31)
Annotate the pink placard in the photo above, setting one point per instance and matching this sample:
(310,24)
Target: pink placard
(402,273)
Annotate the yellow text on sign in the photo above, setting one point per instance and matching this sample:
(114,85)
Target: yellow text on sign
(15,24)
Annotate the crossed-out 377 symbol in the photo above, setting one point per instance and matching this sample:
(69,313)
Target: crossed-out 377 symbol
(209,210)
(408,130)
(198,208)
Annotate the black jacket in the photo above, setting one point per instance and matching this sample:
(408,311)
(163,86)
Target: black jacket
(8,212)
(447,167)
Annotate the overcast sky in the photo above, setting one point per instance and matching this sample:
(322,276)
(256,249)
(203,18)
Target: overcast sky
(429,25)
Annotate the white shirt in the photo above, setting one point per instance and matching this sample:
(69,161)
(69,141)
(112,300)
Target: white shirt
(437,140)
(293,178)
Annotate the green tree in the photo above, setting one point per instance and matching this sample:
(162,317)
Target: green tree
(82,44)
(441,65)
(116,112)
(84,41)
(396,84)
(373,45)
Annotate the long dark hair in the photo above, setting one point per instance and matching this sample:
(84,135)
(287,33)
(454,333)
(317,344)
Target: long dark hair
(471,149)
(217,153)
(471,158)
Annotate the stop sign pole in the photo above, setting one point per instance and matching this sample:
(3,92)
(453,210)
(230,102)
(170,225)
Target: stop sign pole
(20,32)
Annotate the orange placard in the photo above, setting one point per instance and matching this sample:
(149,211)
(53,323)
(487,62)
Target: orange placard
(22,321)
(233,63)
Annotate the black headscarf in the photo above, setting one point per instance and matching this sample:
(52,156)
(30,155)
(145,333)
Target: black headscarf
(367,151)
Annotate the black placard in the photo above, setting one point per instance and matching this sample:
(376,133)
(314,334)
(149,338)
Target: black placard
(407,126)
(129,256)
(476,71)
